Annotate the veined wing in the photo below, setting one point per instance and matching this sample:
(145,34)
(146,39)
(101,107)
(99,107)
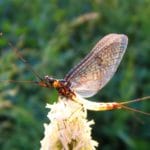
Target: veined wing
(98,67)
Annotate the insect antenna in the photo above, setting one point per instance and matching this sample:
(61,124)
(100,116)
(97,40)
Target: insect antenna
(22,81)
(25,62)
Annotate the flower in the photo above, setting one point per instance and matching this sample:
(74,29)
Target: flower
(68,127)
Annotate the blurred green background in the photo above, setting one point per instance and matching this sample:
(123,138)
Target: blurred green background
(54,35)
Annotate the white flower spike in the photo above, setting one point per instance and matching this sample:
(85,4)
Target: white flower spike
(68,127)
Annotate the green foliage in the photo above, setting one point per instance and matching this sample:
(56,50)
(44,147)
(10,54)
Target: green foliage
(54,36)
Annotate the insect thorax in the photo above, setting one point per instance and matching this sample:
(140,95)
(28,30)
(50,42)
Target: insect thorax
(62,86)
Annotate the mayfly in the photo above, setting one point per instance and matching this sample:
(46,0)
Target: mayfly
(91,74)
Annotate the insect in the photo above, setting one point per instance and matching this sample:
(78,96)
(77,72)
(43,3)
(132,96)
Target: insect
(91,74)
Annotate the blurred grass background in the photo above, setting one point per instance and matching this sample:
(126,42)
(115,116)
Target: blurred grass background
(54,35)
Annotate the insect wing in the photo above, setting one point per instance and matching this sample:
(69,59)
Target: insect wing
(98,67)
